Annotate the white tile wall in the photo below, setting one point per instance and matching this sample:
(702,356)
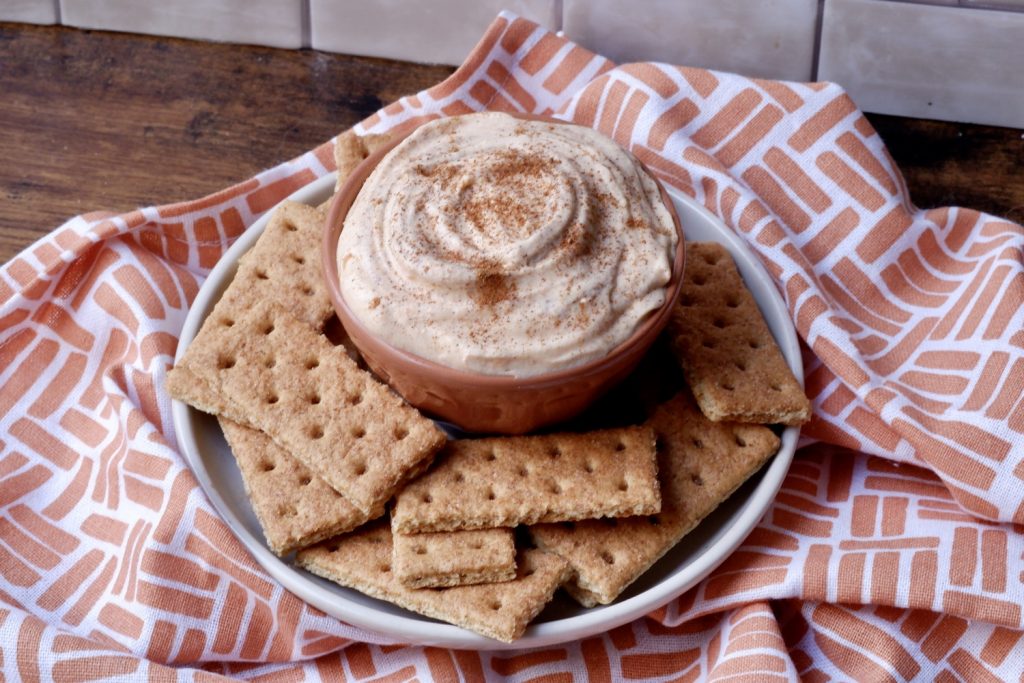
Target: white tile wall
(434,31)
(766,38)
(950,63)
(958,60)
(29,11)
(277,23)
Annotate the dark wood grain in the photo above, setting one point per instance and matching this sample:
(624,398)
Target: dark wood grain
(954,164)
(93,120)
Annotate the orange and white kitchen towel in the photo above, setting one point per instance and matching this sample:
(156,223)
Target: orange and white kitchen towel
(893,552)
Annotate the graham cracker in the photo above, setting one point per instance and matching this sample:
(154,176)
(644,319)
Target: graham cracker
(283,266)
(506,481)
(350,150)
(701,463)
(726,350)
(363,560)
(454,558)
(312,399)
(184,386)
(295,507)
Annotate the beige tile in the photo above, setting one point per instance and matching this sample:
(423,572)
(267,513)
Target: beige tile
(432,31)
(949,63)
(770,38)
(29,11)
(277,23)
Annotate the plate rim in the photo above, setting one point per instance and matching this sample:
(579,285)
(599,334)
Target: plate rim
(410,629)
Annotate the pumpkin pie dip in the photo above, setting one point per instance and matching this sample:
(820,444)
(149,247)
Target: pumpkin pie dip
(503,246)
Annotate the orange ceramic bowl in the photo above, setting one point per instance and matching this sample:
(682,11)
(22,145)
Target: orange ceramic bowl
(478,402)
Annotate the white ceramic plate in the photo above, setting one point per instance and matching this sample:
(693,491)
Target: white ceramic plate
(694,558)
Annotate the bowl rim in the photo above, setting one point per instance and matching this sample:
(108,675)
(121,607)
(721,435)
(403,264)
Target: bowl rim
(346,195)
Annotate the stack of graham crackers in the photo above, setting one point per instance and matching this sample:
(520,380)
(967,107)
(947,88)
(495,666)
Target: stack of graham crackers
(324,446)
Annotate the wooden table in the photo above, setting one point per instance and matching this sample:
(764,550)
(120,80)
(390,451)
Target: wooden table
(94,120)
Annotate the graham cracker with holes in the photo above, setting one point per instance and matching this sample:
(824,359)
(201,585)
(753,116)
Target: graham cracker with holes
(350,150)
(454,558)
(283,266)
(295,507)
(727,352)
(313,400)
(362,560)
(701,463)
(506,481)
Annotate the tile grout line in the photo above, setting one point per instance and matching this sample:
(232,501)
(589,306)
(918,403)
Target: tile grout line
(819,22)
(306,21)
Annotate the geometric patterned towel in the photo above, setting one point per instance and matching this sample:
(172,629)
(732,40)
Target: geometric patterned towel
(892,552)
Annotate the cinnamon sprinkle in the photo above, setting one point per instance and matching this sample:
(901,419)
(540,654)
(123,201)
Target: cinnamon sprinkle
(521,179)
(513,163)
(493,287)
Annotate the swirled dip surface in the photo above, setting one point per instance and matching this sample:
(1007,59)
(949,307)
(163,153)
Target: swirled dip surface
(507,247)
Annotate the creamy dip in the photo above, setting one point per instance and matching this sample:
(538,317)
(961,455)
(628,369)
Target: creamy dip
(508,247)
